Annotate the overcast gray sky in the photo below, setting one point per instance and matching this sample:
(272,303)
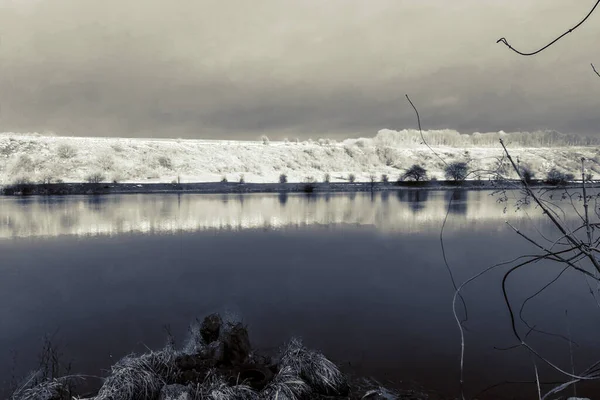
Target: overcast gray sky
(294,68)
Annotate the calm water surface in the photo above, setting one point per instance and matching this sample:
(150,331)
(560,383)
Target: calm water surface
(358,276)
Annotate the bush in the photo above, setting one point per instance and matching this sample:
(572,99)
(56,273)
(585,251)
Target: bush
(352,178)
(105,162)
(95,177)
(457,171)
(264,139)
(589,177)
(66,151)
(555,177)
(526,173)
(22,180)
(242,180)
(224,179)
(385,178)
(46,178)
(415,173)
(23,164)
(165,162)
(283,178)
(327,178)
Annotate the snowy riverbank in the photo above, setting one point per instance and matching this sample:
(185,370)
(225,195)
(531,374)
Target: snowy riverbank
(38,158)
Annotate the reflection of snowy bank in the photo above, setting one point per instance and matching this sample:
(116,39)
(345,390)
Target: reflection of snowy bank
(403,212)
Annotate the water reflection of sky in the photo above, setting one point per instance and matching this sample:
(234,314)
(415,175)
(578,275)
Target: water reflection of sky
(399,211)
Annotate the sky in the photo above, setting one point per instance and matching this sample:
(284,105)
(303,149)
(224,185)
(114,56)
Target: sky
(237,69)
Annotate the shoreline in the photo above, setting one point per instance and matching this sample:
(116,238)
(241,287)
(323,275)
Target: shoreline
(216,361)
(63,189)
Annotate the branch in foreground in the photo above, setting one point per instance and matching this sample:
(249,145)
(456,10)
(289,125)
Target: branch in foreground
(503,40)
(594,68)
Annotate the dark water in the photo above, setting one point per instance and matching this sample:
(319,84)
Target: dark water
(359,276)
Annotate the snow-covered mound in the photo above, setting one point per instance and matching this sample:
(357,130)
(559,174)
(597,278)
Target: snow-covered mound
(39,158)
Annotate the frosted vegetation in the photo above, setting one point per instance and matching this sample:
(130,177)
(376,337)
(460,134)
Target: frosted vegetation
(51,159)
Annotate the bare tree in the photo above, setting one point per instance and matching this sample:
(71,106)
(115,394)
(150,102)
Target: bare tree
(415,173)
(526,172)
(457,171)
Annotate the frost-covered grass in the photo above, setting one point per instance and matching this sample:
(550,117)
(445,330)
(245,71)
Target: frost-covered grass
(38,158)
(299,374)
(314,368)
(139,377)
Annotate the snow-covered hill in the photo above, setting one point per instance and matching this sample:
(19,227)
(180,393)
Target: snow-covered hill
(39,158)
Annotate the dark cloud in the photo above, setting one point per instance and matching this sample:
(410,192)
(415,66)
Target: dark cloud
(236,69)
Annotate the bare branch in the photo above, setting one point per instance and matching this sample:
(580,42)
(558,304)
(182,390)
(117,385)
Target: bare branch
(421,131)
(594,68)
(503,40)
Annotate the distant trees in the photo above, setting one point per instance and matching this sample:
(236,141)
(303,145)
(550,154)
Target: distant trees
(388,140)
(283,178)
(415,173)
(457,171)
(385,178)
(352,178)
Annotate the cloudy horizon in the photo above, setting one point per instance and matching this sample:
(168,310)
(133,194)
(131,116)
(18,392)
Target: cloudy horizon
(288,68)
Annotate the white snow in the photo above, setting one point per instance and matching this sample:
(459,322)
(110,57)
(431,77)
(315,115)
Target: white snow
(40,158)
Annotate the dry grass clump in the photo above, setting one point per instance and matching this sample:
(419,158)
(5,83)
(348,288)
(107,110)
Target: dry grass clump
(181,374)
(286,385)
(214,387)
(322,375)
(47,390)
(139,378)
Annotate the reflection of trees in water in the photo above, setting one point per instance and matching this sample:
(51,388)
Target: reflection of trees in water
(311,197)
(94,203)
(150,213)
(457,201)
(283,198)
(69,220)
(416,199)
(385,196)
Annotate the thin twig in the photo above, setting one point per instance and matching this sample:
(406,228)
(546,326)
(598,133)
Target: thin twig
(585,203)
(571,352)
(594,68)
(421,130)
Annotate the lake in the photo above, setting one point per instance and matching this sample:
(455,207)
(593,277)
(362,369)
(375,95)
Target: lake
(359,276)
